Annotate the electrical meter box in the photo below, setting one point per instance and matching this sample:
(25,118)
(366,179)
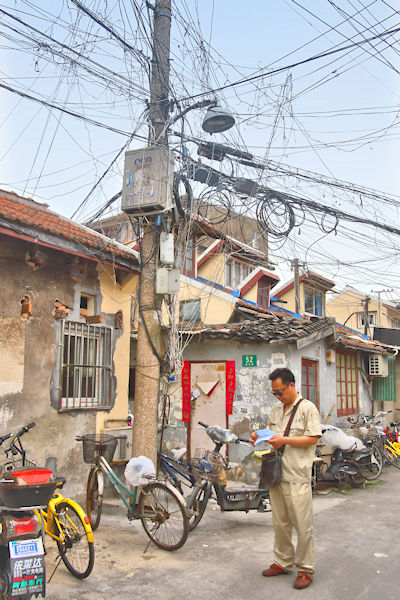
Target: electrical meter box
(167,281)
(167,248)
(148,180)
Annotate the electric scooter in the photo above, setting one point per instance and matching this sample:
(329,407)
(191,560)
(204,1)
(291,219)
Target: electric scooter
(211,476)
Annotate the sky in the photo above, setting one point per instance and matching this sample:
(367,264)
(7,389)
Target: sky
(314,126)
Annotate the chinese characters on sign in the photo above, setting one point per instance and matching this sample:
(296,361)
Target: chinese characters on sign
(249,360)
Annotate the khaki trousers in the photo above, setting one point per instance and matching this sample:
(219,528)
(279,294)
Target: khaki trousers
(291,505)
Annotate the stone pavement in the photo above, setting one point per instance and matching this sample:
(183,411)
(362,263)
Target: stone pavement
(357,555)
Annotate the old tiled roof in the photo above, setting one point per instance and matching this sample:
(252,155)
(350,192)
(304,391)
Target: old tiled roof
(26,217)
(356,341)
(269,328)
(273,326)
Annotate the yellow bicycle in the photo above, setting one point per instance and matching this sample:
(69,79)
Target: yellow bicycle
(63,519)
(65,522)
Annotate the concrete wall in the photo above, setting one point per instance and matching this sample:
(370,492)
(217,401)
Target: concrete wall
(342,305)
(253,401)
(213,268)
(115,297)
(216,306)
(28,350)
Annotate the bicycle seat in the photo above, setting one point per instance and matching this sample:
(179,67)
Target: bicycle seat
(60,482)
(394,423)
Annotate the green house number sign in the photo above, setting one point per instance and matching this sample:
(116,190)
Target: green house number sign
(249,360)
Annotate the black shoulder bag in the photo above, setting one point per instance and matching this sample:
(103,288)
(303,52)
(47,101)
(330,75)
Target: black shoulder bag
(271,467)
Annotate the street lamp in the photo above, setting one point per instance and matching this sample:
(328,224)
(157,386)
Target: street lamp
(217,120)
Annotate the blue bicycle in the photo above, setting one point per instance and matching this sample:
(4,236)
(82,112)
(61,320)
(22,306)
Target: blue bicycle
(194,475)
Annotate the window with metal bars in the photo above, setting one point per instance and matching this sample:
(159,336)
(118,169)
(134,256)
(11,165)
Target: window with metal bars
(86,368)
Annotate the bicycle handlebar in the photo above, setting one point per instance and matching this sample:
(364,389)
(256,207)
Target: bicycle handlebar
(3,438)
(202,424)
(25,429)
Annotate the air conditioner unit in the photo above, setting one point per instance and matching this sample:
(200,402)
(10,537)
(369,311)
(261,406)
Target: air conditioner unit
(123,450)
(378,365)
(148,180)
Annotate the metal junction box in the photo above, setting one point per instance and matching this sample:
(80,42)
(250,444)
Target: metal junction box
(167,281)
(148,180)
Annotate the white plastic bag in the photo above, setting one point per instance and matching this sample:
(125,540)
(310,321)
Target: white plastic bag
(138,470)
(336,438)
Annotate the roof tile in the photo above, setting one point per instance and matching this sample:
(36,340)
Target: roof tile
(14,208)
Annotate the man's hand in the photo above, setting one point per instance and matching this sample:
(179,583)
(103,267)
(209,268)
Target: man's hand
(253,438)
(277,441)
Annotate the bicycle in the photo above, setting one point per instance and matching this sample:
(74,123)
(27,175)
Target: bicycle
(176,472)
(63,519)
(371,439)
(385,440)
(66,523)
(160,508)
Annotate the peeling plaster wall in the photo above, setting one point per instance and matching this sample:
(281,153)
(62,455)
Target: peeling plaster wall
(118,297)
(30,369)
(253,401)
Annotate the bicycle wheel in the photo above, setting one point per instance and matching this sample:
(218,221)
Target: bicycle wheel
(198,501)
(163,516)
(374,469)
(392,457)
(94,500)
(355,481)
(75,550)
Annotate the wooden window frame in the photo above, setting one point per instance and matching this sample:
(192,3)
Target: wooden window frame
(309,363)
(312,291)
(343,403)
(263,292)
(243,267)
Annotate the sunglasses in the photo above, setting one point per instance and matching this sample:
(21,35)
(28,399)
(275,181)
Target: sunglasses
(280,392)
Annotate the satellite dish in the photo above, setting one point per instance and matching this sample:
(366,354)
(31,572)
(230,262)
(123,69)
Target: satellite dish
(217,120)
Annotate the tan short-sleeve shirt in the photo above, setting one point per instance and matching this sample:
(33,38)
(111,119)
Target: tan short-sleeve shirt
(296,462)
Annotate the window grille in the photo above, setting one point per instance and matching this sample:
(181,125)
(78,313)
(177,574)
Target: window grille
(86,368)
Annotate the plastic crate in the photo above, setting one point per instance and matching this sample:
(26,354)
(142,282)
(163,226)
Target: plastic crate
(15,492)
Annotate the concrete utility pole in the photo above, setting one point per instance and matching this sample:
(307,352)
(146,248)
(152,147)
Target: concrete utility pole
(147,382)
(295,266)
(365,303)
(379,292)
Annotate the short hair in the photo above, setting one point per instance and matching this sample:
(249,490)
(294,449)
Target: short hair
(282,373)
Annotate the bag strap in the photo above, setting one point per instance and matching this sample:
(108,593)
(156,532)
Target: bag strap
(289,424)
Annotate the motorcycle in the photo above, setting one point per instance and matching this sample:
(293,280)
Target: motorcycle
(22,563)
(350,461)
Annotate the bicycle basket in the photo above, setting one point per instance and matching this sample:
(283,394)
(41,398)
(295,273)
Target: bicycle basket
(206,464)
(98,444)
(14,464)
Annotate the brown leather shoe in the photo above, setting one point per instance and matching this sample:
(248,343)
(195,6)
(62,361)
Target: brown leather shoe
(274,570)
(303,580)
